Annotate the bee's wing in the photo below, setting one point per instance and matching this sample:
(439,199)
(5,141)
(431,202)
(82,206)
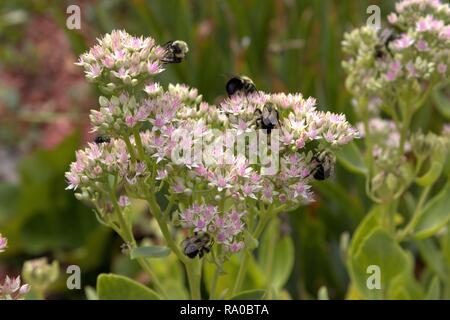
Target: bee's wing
(385,35)
(168,44)
(185,242)
(273,117)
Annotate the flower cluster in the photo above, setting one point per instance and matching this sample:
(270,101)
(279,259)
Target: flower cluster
(100,168)
(411,53)
(227,228)
(96,161)
(302,132)
(299,119)
(11,289)
(385,137)
(120,59)
(40,274)
(120,115)
(171,140)
(119,56)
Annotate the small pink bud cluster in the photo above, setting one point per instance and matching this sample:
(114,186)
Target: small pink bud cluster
(93,165)
(385,137)
(120,59)
(3,243)
(11,288)
(412,52)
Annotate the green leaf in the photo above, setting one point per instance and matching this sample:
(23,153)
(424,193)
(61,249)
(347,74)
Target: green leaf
(381,250)
(322,294)
(276,255)
(433,257)
(445,245)
(171,275)
(250,242)
(432,174)
(404,287)
(351,158)
(90,292)
(257,294)
(370,222)
(434,290)
(117,287)
(254,278)
(435,215)
(442,102)
(150,252)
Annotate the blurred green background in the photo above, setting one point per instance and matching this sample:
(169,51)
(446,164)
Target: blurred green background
(283,45)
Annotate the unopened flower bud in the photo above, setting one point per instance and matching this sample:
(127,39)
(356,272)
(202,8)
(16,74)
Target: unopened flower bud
(392,182)
(103,101)
(40,274)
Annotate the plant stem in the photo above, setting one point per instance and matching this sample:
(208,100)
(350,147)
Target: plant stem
(368,140)
(404,131)
(212,291)
(417,214)
(390,211)
(130,148)
(127,235)
(270,257)
(156,211)
(147,268)
(217,271)
(266,216)
(138,141)
(193,267)
(369,155)
(194,270)
(241,273)
(261,225)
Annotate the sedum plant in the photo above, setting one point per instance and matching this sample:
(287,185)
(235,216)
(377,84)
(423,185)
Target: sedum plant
(391,73)
(11,288)
(211,193)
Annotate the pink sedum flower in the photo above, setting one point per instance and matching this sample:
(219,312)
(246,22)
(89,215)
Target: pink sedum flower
(122,59)
(11,288)
(3,243)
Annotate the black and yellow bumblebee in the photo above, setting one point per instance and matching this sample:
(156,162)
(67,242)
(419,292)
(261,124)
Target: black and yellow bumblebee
(385,37)
(324,165)
(175,51)
(101,138)
(268,118)
(197,245)
(240,84)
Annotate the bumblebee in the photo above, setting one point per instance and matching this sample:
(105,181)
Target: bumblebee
(175,51)
(324,164)
(198,244)
(385,36)
(240,84)
(102,139)
(268,118)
